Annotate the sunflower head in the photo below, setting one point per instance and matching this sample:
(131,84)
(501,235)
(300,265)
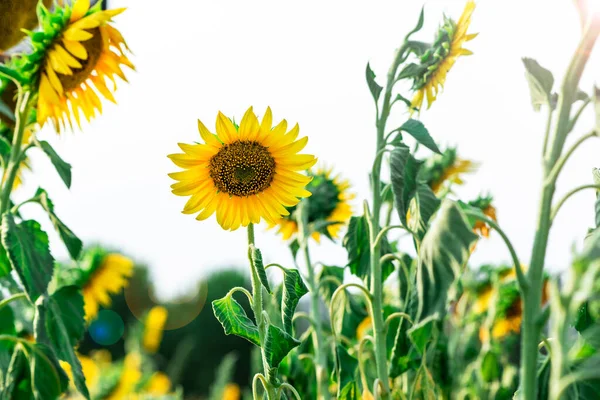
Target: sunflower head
(102,275)
(243,173)
(446,168)
(75,54)
(484,203)
(330,202)
(436,61)
(159,384)
(153,328)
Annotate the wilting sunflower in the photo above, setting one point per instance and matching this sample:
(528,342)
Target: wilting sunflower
(107,274)
(439,59)
(75,54)
(486,207)
(153,328)
(330,201)
(243,173)
(446,168)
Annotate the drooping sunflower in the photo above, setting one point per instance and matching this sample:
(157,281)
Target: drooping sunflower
(243,173)
(441,56)
(105,275)
(154,326)
(330,201)
(484,203)
(446,168)
(75,54)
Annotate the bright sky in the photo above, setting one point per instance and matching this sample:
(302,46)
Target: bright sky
(307,60)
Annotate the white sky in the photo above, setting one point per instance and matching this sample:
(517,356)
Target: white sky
(307,60)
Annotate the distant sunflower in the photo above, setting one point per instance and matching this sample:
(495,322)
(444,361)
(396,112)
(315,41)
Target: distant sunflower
(243,173)
(232,392)
(330,201)
(439,59)
(153,328)
(486,207)
(446,168)
(108,277)
(159,384)
(76,53)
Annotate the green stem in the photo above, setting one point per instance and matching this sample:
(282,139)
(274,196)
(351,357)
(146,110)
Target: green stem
(553,176)
(376,288)
(12,169)
(12,298)
(320,351)
(257,308)
(568,195)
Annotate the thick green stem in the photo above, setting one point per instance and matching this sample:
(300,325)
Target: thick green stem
(320,349)
(532,299)
(257,308)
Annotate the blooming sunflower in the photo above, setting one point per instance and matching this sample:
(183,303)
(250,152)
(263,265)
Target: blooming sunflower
(107,274)
(448,167)
(486,207)
(153,329)
(243,173)
(75,54)
(441,56)
(330,201)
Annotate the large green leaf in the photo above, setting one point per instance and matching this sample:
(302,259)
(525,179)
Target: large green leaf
(423,207)
(4,263)
(416,129)
(257,260)
(421,333)
(234,319)
(7,327)
(404,169)
(71,241)
(29,254)
(349,392)
(540,83)
(293,290)
(62,167)
(328,286)
(347,313)
(63,319)
(419,24)
(373,86)
(15,375)
(49,380)
(444,251)
(346,367)
(277,345)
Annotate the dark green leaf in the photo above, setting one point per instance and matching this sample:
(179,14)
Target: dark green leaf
(63,168)
(349,392)
(411,70)
(294,248)
(416,129)
(7,327)
(234,319)
(347,314)
(404,169)
(257,260)
(373,86)
(346,368)
(4,148)
(4,263)
(29,254)
(15,375)
(419,24)
(403,99)
(293,290)
(63,317)
(10,73)
(328,286)
(490,367)
(422,209)
(6,111)
(444,251)
(422,332)
(277,345)
(71,241)
(49,380)
(540,83)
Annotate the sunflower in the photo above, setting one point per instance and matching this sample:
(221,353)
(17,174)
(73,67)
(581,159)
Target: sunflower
(16,15)
(486,207)
(232,392)
(107,275)
(439,59)
(330,201)
(74,55)
(91,371)
(131,375)
(153,329)
(159,384)
(446,168)
(243,173)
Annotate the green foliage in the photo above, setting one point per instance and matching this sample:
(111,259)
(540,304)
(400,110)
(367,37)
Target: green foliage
(62,167)
(277,345)
(234,320)
(416,129)
(404,170)
(373,86)
(293,290)
(257,260)
(540,83)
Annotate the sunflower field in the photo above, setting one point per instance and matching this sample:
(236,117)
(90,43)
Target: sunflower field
(407,315)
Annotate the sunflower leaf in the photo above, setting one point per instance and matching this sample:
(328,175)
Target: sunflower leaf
(4,148)
(4,263)
(293,290)
(277,345)
(373,86)
(328,286)
(416,129)
(540,83)
(29,254)
(14,376)
(346,369)
(421,333)
(10,73)
(444,251)
(62,167)
(257,260)
(7,327)
(61,325)
(6,111)
(404,169)
(71,241)
(423,207)
(234,320)
(419,24)
(48,378)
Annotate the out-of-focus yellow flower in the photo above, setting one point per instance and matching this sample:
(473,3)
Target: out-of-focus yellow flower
(159,384)
(232,392)
(330,201)
(153,329)
(16,15)
(453,173)
(91,371)
(130,377)
(439,59)
(79,51)
(364,328)
(108,278)
(243,173)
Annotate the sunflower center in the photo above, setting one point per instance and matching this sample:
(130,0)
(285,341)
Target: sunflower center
(94,47)
(242,168)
